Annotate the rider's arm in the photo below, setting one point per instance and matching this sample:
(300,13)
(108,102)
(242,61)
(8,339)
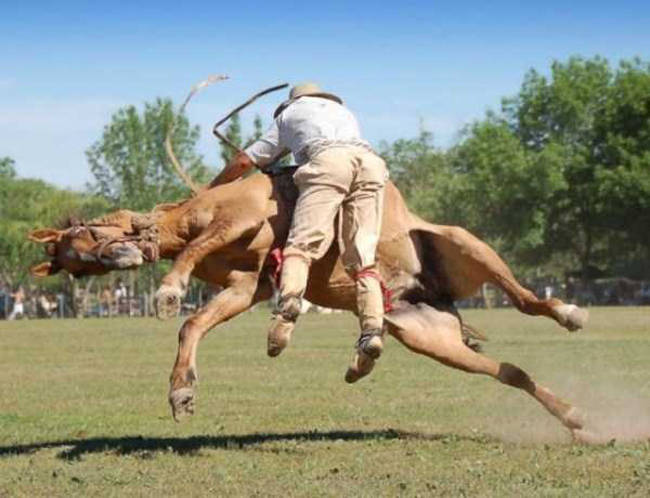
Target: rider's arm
(262,152)
(238,166)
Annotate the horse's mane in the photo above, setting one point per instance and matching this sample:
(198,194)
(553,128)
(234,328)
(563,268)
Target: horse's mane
(122,217)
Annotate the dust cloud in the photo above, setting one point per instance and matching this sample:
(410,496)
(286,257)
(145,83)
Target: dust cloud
(615,410)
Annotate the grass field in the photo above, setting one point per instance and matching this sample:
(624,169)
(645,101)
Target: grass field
(83,412)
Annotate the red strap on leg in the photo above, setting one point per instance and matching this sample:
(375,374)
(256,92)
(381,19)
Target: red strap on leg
(386,293)
(277,260)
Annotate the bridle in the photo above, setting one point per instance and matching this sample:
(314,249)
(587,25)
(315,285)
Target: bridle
(147,240)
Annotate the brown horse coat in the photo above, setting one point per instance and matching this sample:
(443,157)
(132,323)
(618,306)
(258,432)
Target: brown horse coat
(224,236)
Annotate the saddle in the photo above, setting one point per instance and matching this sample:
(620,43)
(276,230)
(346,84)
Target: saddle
(283,184)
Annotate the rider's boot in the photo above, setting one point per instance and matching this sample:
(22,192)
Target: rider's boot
(370,308)
(293,281)
(284,322)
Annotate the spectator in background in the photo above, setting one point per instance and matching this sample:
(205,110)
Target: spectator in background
(106,301)
(119,295)
(548,291)
(45,306)
(19,304)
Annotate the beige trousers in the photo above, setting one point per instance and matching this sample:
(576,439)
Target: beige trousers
(351,181)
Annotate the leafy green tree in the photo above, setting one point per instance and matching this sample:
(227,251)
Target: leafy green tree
(132,169)
(421,173)
(7,168)
(26,204)
(257,131)
(410,161)
(552,176)
(129,162)
(560,114)
(504,190)
(623,136)
(233,134)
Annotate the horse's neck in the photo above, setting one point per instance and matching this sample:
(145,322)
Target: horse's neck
(172,230)
(179,223)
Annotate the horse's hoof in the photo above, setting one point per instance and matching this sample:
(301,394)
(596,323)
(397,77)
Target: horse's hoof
(168,302)
(361,365)
(587,437)
(182,402)
(574,419)
(571,317)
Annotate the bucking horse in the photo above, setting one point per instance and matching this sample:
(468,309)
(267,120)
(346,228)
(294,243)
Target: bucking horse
(228,235)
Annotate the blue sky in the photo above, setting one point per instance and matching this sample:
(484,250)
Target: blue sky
(65,67)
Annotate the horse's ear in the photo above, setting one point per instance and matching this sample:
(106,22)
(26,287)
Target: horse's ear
(73,221)
(45,269)
(45,235)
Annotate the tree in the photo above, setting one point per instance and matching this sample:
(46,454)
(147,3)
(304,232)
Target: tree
(504,190)
(257,131)
(132,169)
(623,131)
(7,168)
(26,204)
(233,134)
(563,164)
(129,162)
(421,173)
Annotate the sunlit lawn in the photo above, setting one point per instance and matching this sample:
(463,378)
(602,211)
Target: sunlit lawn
(83,411)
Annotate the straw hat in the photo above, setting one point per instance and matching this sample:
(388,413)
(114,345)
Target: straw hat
(308,89)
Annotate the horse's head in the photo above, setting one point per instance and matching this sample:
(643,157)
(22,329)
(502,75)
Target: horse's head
(92,249)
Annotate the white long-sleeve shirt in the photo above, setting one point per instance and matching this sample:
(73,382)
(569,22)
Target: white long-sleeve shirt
(305,128)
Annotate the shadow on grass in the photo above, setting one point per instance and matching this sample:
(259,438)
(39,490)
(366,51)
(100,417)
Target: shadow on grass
(145,446)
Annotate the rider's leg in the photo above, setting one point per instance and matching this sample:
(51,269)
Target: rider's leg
(293,281)
(359,236)
(323,184)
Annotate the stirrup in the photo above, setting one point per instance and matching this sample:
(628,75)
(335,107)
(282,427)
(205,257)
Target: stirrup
(289,307)
(371,343)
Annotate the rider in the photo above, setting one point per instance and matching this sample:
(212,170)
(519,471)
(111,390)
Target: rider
(339,172)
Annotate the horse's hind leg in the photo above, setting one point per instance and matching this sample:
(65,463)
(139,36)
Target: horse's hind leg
(240,296)
(469,262)
(437,334)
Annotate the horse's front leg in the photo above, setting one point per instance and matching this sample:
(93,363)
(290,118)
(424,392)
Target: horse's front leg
(239,297)
(215,237)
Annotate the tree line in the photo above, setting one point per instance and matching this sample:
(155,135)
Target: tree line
(557,179)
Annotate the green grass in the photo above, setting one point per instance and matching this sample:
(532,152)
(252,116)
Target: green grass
(83,412)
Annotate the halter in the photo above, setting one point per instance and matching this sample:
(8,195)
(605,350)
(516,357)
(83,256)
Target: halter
(148,240)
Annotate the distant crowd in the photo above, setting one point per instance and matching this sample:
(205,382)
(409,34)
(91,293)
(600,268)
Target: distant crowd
(33,302)
(24,302)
